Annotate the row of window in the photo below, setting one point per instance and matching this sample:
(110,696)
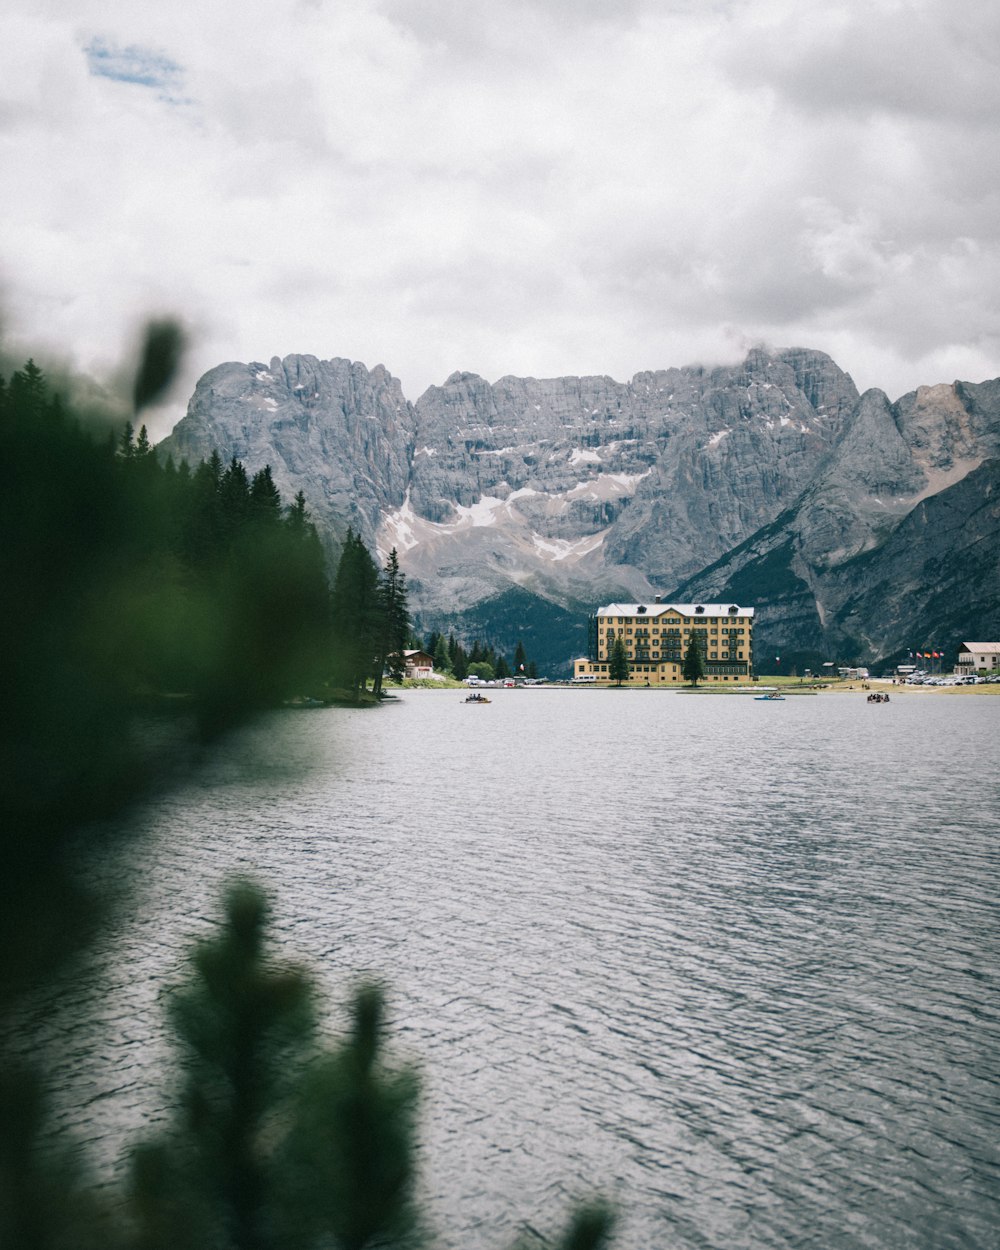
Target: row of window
(727,674)
(675,656)
(664,620)
(670,633)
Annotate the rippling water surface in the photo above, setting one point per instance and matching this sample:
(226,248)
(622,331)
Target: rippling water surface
(733,964)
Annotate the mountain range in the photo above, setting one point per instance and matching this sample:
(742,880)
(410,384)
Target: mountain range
(859,528)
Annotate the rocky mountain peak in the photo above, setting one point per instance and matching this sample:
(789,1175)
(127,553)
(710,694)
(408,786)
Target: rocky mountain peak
(576,489)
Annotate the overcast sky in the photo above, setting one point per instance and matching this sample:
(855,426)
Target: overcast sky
(505,186)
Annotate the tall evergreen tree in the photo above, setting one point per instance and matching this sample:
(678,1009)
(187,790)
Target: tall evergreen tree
(520,659)
(459,661)
(442,660)
(29,393)
(393,622)
(297,515)
(693,665)
(234,497)
(126,444)
(618,666)
(355,609)
(265,501)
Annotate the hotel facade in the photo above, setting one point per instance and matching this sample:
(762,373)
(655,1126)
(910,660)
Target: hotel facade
(657,635)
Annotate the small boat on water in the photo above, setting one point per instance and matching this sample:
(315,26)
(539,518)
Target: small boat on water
(771,697)
(476,698)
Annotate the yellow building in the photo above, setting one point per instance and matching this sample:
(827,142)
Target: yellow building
(657,635)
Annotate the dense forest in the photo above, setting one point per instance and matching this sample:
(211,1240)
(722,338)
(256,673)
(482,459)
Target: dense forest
(480,660)
(148,609)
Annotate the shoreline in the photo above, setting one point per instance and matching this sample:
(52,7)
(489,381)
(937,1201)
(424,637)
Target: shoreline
(792,690)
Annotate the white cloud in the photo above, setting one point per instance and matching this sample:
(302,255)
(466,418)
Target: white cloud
(507,187)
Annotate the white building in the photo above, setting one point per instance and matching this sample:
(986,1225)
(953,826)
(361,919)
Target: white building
(978,657)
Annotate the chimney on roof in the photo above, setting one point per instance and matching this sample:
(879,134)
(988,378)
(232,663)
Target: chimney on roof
(657,598)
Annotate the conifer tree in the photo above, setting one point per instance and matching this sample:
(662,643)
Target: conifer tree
(126,444)
(459,661)
(265,501)
(393,622)
(296,515)
(520,658)
(29,392)
(243,1027)
(442,660)
(355,614)
(618,666)
(234,498)
(693,666)
(350,1156)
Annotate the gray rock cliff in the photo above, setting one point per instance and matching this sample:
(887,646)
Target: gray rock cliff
(772,476)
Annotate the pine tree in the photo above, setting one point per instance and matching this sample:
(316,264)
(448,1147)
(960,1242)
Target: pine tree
(243,1027)
(394,622)
(234,498)
(350,1157)
(459,661)
(126,444)
(265,501)
(618,665)
(296,514)
(355,610)
(520,659)
(693,666)
(442,660)
(29,392)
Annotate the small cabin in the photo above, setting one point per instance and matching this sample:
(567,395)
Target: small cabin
(418,664)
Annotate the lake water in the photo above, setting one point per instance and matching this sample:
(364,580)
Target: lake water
(732,964)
